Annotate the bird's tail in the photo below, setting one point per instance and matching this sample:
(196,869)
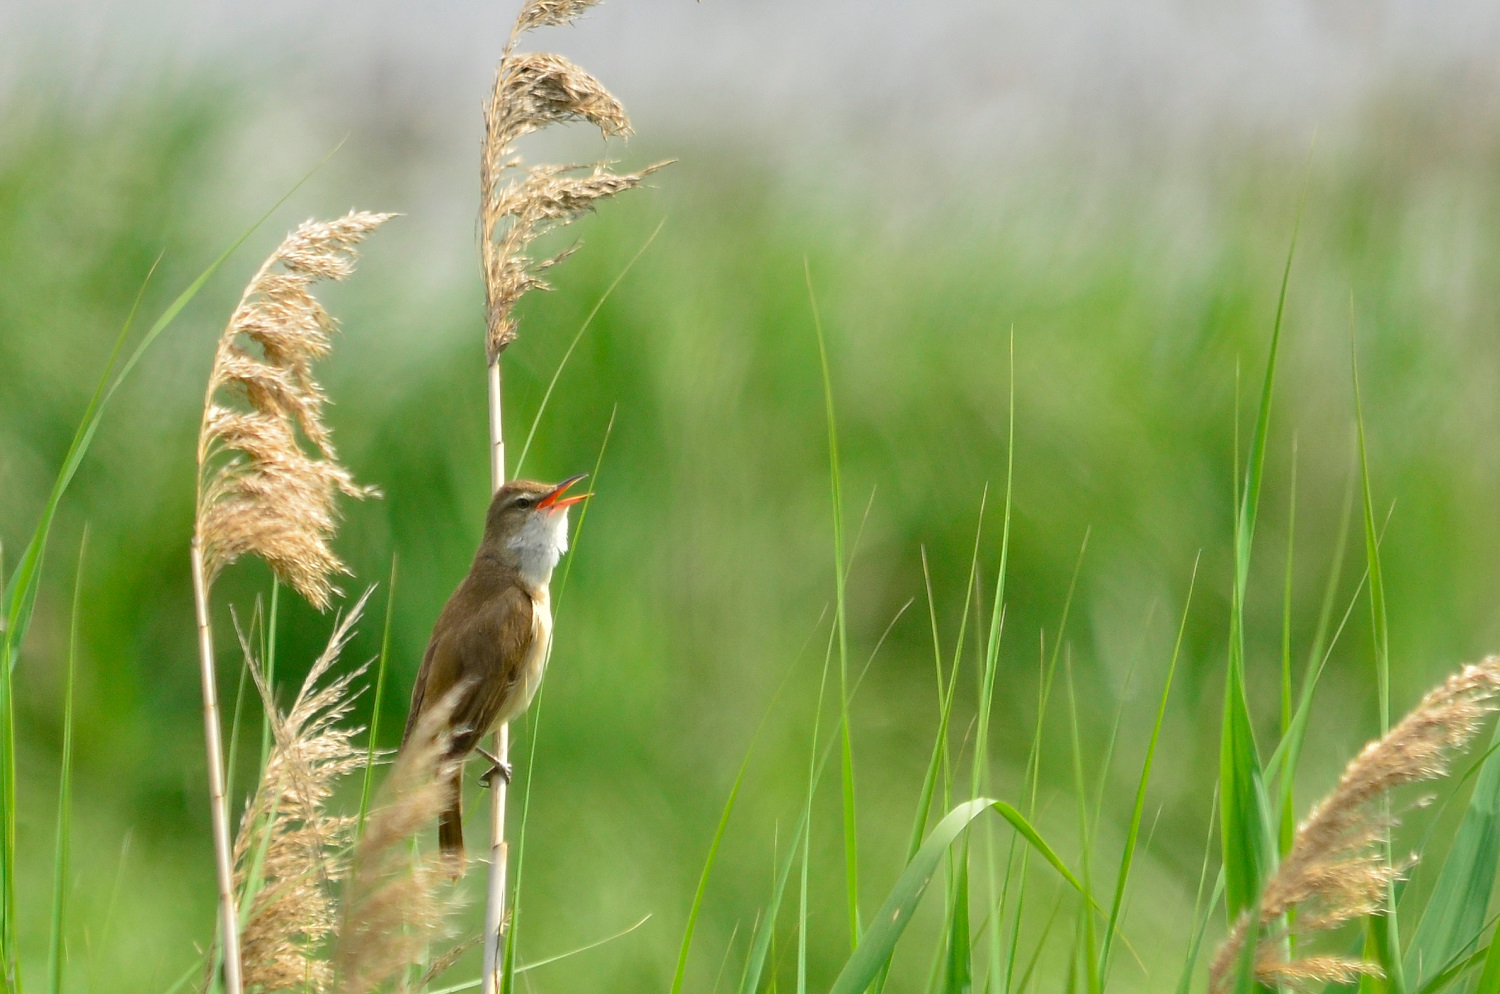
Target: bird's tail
(451,821)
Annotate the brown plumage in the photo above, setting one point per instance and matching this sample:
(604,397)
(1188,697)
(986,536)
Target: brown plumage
(489,646)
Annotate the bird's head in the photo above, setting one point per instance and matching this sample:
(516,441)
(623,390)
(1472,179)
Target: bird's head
(527,526)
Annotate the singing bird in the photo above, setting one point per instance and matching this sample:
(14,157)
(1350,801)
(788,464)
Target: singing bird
(489,646)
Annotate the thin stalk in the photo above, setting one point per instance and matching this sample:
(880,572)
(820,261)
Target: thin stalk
(9,961)
(1288,826)
(270,657)
(56,952)
(218,808)
(494,904)
(385,652)
(851,839)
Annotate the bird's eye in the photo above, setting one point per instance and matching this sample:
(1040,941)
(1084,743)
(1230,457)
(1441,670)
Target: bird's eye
(523,502)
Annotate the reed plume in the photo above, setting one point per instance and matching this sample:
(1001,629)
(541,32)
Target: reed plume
(290,850)
(518,205)
(1335,871)
(259,492)
(397,903)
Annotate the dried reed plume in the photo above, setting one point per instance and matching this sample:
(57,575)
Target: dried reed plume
(532,91)
(290,850)
(396,904)
(1335,866)
(267,496)
(258,491)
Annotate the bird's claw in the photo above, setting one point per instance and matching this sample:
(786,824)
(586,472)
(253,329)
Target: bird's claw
(504,769)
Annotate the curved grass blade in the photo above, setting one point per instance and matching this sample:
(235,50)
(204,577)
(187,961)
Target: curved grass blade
(879,941)
(577,337)
(851,837)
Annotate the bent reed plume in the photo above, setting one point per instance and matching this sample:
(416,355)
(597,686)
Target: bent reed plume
(1335,865)
(516,206)
(290,849)
(325,911)
(268,497)
(397,903)
(259,492)
(533,91)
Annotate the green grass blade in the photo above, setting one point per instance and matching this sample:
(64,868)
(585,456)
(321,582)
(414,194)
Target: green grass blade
(577,337)
(1378,623)
(1201,914)
(1085,842)
(1041,942)
(367,788)
(1132,835)
(981,783)
(1384,931)
(958,967)
(879,941)
(1489,977)
(583,510)
(1245,832)
(1244,970)
(851,835)
(1248,842)
(713,848)
(57,949)
(765,930)
(1289,750)
(1033,770)
(1455,911)
(1287,827)
(9,960)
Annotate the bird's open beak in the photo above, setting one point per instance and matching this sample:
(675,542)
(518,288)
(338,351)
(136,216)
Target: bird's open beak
(556,500)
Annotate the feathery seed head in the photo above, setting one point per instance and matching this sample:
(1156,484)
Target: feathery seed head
(397,903)
(547,13)
(259,491)
(290,849)
(1332,865)
(533,91)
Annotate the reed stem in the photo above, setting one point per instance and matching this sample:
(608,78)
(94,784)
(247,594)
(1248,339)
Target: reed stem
(494,904)
(218,807)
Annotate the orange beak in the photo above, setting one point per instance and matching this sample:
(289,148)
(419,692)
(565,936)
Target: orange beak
(556,500)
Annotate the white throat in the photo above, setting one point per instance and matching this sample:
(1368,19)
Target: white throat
(539,545)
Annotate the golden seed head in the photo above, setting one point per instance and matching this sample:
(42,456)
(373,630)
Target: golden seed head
(1334,867)
(259,491)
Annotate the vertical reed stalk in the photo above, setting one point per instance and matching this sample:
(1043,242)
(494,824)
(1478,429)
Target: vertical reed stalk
(494,903)
(531,92)
(218,805)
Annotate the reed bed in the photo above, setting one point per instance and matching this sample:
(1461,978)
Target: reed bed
(315,898)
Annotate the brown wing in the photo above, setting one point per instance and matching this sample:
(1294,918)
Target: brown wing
(491,650)
(478,644)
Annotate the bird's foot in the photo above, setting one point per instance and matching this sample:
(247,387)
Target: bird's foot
(504,769)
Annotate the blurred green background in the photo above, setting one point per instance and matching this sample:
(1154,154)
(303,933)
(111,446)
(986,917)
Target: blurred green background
(1139,290)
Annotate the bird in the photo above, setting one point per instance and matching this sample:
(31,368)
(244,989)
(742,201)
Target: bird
(489,646)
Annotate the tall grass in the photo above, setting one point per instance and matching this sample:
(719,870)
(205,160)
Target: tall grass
(993,923)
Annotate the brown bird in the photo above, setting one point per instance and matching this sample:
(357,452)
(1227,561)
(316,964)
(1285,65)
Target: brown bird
(489,646)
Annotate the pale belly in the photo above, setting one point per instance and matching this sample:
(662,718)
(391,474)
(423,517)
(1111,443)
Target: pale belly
(535,663)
